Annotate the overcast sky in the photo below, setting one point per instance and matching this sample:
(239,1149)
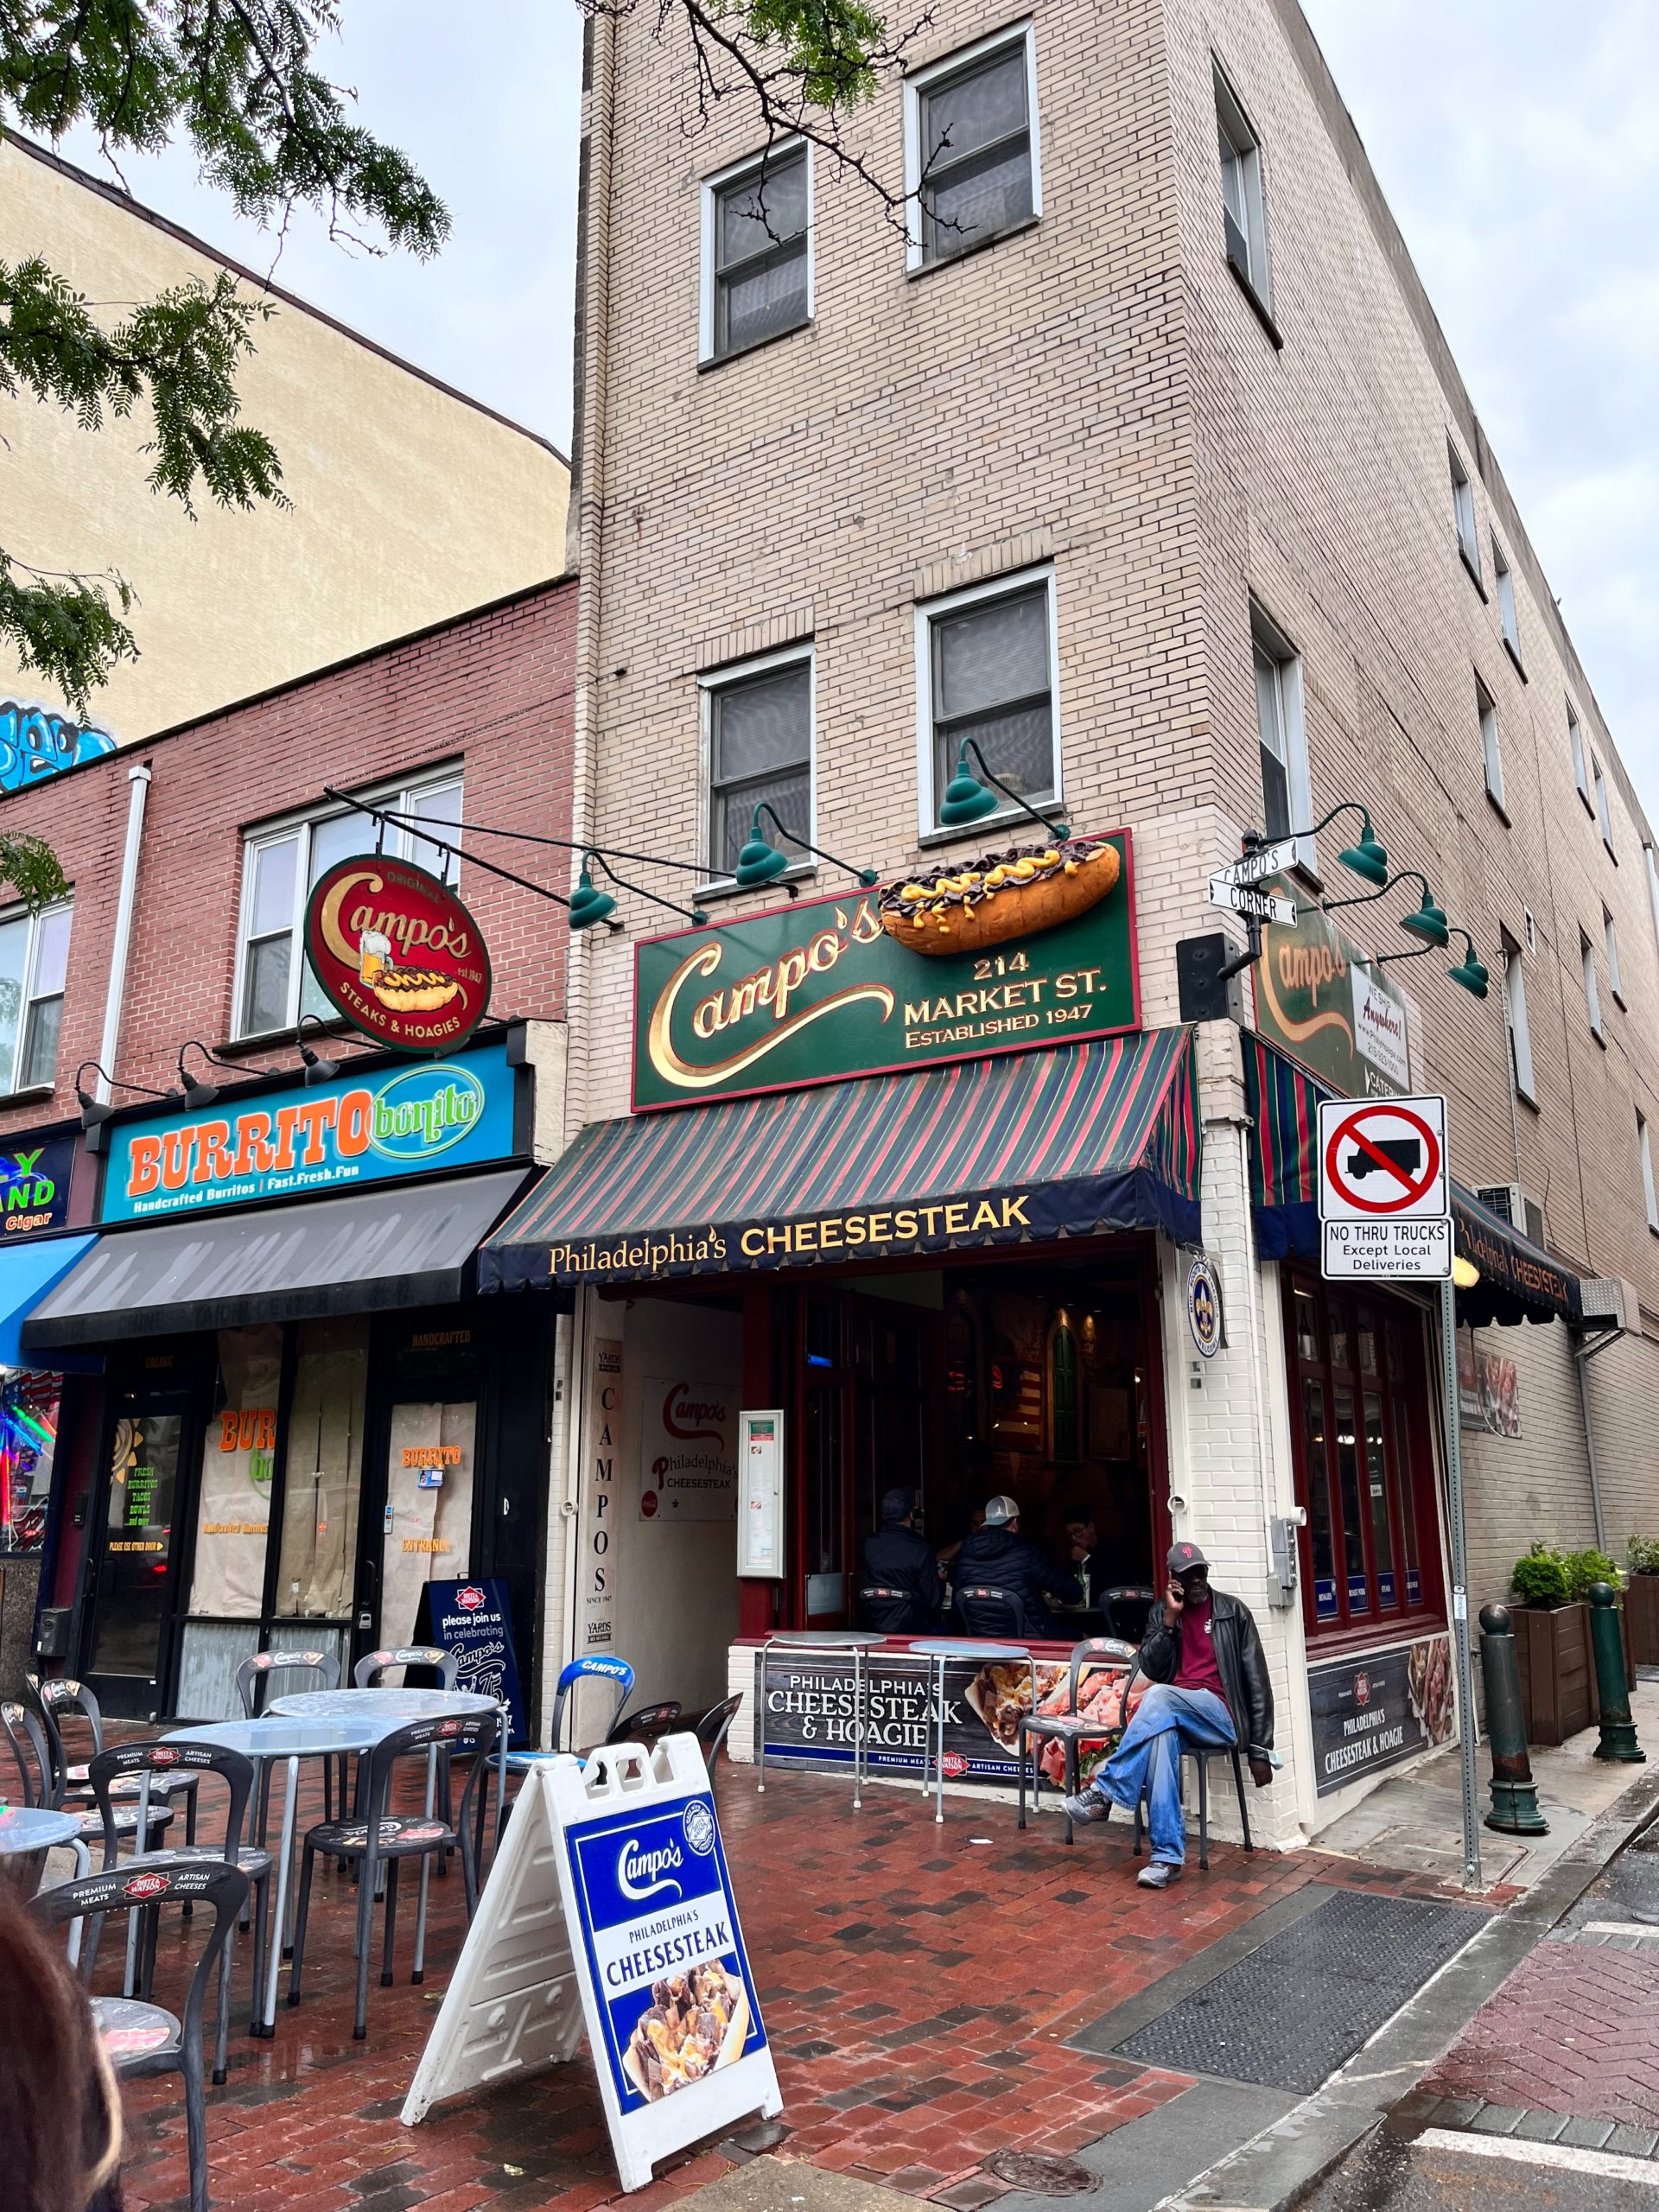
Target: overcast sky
(1516,141)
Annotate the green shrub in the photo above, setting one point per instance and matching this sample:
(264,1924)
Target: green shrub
(1540,1579)
(1641,1555)
(1584,1568)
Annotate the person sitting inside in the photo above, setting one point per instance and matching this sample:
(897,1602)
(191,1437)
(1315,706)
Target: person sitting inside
(899,1557)
(1082,1540)
(1209,1691)
(998,1554)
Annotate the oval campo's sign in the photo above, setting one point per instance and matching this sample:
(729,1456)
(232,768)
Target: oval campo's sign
(397,953)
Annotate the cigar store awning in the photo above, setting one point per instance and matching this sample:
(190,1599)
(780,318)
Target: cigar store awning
(408,1246)
(1519,1280)
(1093,1136)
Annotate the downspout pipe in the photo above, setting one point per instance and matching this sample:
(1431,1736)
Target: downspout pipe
(126,899)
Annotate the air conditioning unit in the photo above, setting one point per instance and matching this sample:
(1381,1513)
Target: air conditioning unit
(1517,1206)
(1609,1302)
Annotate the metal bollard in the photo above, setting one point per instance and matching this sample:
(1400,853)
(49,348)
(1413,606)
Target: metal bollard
(1515,1795)
(1617,1729)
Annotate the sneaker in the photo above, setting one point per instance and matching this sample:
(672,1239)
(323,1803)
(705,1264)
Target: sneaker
(1158,1876)
(1090,1806)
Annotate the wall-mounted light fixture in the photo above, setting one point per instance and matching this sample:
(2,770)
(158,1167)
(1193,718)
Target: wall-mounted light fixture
(94,1111)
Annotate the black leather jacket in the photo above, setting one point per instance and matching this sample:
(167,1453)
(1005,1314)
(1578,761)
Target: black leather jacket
(1240,1660)
(1003,1557)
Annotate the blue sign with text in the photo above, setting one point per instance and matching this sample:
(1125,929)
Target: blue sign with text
(472,1619)
(362,1128)
(659,1927)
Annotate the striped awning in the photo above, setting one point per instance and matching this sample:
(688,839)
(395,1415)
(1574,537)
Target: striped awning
(1065,1143)
(1519,1280)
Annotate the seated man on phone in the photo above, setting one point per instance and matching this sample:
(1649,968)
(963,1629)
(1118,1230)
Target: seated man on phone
(1203,1655)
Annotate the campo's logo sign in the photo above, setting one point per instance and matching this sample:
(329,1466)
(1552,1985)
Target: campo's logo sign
(397,954)
(1319,999)
(819,989)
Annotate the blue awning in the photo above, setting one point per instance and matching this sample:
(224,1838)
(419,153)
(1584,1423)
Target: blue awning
(27,1271)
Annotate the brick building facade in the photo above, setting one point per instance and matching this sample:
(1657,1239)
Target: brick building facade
(1185,393)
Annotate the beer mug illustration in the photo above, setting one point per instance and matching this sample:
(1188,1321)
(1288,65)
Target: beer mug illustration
(374,954)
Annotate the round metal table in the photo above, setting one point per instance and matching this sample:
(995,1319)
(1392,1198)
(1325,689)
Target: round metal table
(27,1833)
(857,1641)
(939,1651)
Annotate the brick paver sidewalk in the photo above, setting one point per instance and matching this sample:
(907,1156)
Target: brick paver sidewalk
(916,1987)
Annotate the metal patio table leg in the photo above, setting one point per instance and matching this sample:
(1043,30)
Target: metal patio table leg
(938,1769)
(760,1722)
(858,1728)
(265,2020)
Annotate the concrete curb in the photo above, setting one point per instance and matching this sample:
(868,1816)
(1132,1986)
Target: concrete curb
(1278,2167)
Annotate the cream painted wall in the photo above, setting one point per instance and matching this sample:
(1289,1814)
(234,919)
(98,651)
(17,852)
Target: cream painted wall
(409,504)
(676,1583)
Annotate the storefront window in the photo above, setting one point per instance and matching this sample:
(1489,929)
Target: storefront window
(1365,1505)
(238,1459)
(428,1514)
(130,1595)
(1062,1385)
(29,1436)
(322,1472)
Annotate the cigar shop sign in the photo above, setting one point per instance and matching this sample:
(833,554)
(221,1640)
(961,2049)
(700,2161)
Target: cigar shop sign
(298,1141)
(818,990)
(396,952)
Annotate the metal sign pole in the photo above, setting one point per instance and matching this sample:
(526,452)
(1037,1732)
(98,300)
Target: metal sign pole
(1472,1879)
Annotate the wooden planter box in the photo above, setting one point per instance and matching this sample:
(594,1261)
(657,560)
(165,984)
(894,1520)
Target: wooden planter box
(1558,1674)
(1641,1615)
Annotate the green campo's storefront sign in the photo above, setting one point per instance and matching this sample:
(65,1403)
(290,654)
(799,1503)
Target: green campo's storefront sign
(814,992)
(1320,1000)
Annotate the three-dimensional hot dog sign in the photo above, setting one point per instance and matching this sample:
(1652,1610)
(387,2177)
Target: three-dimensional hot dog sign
(397,953)
(1026,947)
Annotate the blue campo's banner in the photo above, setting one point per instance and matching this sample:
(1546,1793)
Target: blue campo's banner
(675,1996)
(359,1128)
(473,1620)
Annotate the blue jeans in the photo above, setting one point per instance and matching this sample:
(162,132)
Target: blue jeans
(1148,1761)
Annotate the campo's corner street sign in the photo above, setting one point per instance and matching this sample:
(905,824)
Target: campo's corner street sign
(815,991)
(396,952)
(296,1141)
(1318,1000)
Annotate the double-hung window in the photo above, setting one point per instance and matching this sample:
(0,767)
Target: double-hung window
(1243,207)
(1515,1008)
(1650,1197)
(274,986)
(1491,758)
(1463,508)
(1592,987)
(1604,820)
(757,245)
(1610,946)
(1280,734)
(986,672)
(1581,772)
(758,735)
(1505,584)
(34,959)
(970,148)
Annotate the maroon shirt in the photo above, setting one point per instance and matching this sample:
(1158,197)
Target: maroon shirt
(1198,1669)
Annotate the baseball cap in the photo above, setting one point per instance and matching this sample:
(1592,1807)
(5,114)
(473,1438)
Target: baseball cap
(1000,1511)
(1183,1558)
(897,1504)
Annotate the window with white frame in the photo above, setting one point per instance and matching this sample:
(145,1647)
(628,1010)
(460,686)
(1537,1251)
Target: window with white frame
(1581,772)
(758,740)
(1244,207)
(970,148)
(1610,946)
(1649,1198)
(756,252)
(33,959)
(1504,583)
(1282,733)
(1490,756)
(1604,818)
(274,986)
(1592,989)
(1463,506)
(986,672)
(1514,1010)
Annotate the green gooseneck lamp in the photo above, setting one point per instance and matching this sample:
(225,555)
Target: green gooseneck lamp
(967,799)
(760,862)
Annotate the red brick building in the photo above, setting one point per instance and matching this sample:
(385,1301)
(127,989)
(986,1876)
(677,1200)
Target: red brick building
(263,1357)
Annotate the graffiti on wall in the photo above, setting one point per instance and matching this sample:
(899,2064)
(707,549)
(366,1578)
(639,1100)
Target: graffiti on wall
(38,741)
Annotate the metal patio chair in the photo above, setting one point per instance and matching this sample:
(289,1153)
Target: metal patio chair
(1094,1654)
(712,1729)
(983,1609)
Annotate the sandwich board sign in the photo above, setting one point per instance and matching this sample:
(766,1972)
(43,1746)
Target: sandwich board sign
(1384,1209)
(610,1907)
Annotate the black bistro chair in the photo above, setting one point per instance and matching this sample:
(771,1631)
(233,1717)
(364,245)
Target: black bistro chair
(366,1673)
(41,1780)
(382,1840)
(1201,1759)
(982,1609)
(1095,1655)
(886,1611)
(64,1697)
(1126,1610)
(645,1722)
(145,2038)
(711,1729)
(254,1687)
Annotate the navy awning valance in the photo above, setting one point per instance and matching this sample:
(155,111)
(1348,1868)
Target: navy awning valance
(1064,1142)
(1519,1280)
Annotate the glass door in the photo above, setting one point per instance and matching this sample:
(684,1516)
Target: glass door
(136,1544)
(428,1518)
(826,1489)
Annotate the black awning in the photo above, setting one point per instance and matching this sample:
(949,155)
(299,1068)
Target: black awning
(372,1250)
